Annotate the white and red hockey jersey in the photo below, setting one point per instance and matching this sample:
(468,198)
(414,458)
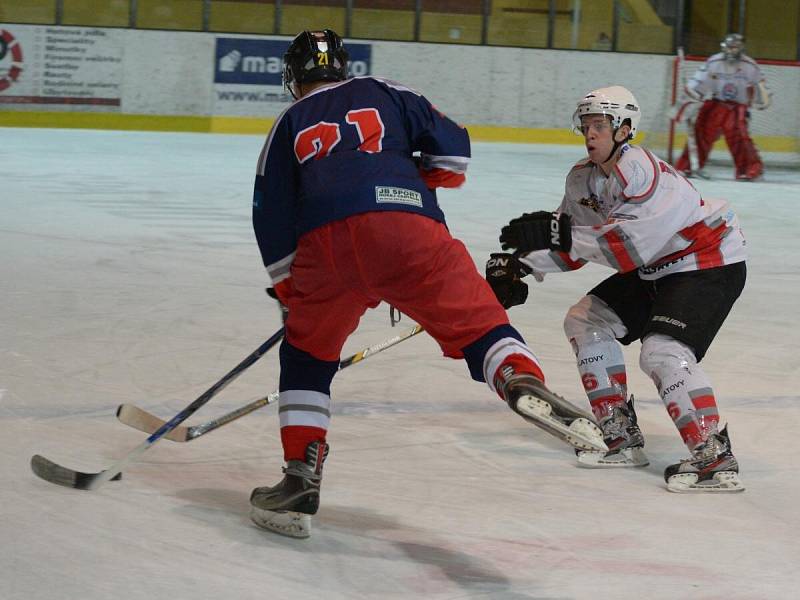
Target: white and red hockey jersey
(643,216)
(729,81)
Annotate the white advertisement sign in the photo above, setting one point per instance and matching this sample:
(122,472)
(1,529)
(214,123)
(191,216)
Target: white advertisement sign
(73,68)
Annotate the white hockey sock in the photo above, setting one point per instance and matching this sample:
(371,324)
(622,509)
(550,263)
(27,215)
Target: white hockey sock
(683,386)
(602,369)
(505,358)
(592,328)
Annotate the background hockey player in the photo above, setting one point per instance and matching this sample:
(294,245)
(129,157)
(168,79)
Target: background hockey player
(680,266)
(728,84)
(345,218)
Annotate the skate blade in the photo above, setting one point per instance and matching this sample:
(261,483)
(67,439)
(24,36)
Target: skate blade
(291,524)
(724,481)
(629,457)
(581,433)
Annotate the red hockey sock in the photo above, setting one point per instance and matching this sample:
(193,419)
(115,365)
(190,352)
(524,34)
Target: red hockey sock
(696,425)
(296,438)
(515,364)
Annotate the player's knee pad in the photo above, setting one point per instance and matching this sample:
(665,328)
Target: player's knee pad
(662,355)
(592,321)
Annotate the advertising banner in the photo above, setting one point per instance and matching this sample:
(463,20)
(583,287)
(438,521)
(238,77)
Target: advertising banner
(248,75)
(71,68)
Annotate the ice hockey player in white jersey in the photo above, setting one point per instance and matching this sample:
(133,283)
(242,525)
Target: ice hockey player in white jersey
(728,84)
(680,262)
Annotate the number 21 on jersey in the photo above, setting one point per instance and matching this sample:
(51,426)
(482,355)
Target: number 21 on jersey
(318,140)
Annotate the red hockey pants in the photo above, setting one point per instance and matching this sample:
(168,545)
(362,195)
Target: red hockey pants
(729,119)
(345,267)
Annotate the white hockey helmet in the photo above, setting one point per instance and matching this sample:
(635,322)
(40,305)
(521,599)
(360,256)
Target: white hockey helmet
(615,101)
(732,46)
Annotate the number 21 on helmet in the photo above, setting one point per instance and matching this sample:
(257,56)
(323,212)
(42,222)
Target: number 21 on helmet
(314,56)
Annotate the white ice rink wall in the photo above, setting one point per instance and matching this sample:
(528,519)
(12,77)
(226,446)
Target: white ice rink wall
(93,77)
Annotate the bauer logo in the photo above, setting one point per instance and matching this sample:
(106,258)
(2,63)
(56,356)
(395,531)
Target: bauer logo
(397,196)
(260,62)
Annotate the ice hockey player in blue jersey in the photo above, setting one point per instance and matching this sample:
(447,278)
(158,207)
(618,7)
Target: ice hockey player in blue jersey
(346,216)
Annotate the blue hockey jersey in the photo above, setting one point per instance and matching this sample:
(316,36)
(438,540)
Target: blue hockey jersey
(348,148)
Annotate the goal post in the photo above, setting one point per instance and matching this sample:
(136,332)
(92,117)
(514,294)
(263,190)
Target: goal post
(775,131)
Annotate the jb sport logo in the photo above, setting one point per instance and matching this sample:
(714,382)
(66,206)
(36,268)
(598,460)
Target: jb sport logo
(10,59)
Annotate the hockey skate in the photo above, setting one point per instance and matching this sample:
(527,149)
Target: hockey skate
(624,439)
(528,397)
(287,507)
(711,468)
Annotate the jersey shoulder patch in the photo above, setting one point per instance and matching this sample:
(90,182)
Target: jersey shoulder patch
(579,172)
(637,172)
(584,163)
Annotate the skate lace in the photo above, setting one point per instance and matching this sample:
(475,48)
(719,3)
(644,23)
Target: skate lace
(301,469)
(707,452)
(311,468)
(612,429)
(616,425)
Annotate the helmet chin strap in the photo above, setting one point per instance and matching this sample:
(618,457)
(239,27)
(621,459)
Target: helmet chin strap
(616,145)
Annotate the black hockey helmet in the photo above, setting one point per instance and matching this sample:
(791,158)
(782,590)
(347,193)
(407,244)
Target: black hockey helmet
(314,56)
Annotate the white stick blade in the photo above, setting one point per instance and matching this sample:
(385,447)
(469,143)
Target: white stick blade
(135,417)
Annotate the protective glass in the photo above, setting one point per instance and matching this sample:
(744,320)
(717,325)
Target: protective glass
(583,123)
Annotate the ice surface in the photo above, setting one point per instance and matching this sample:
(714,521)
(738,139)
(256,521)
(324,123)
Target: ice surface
(129,273)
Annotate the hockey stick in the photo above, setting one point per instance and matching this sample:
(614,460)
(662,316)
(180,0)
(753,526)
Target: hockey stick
(55,473)
(691,136)
(135,417)
(691,144)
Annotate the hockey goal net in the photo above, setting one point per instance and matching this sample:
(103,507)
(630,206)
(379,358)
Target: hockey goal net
(775,131)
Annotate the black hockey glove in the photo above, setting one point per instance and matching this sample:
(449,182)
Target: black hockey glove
(504,272)
(538,231)
(284,309)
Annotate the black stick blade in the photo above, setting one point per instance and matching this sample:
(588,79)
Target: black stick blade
(55,473)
